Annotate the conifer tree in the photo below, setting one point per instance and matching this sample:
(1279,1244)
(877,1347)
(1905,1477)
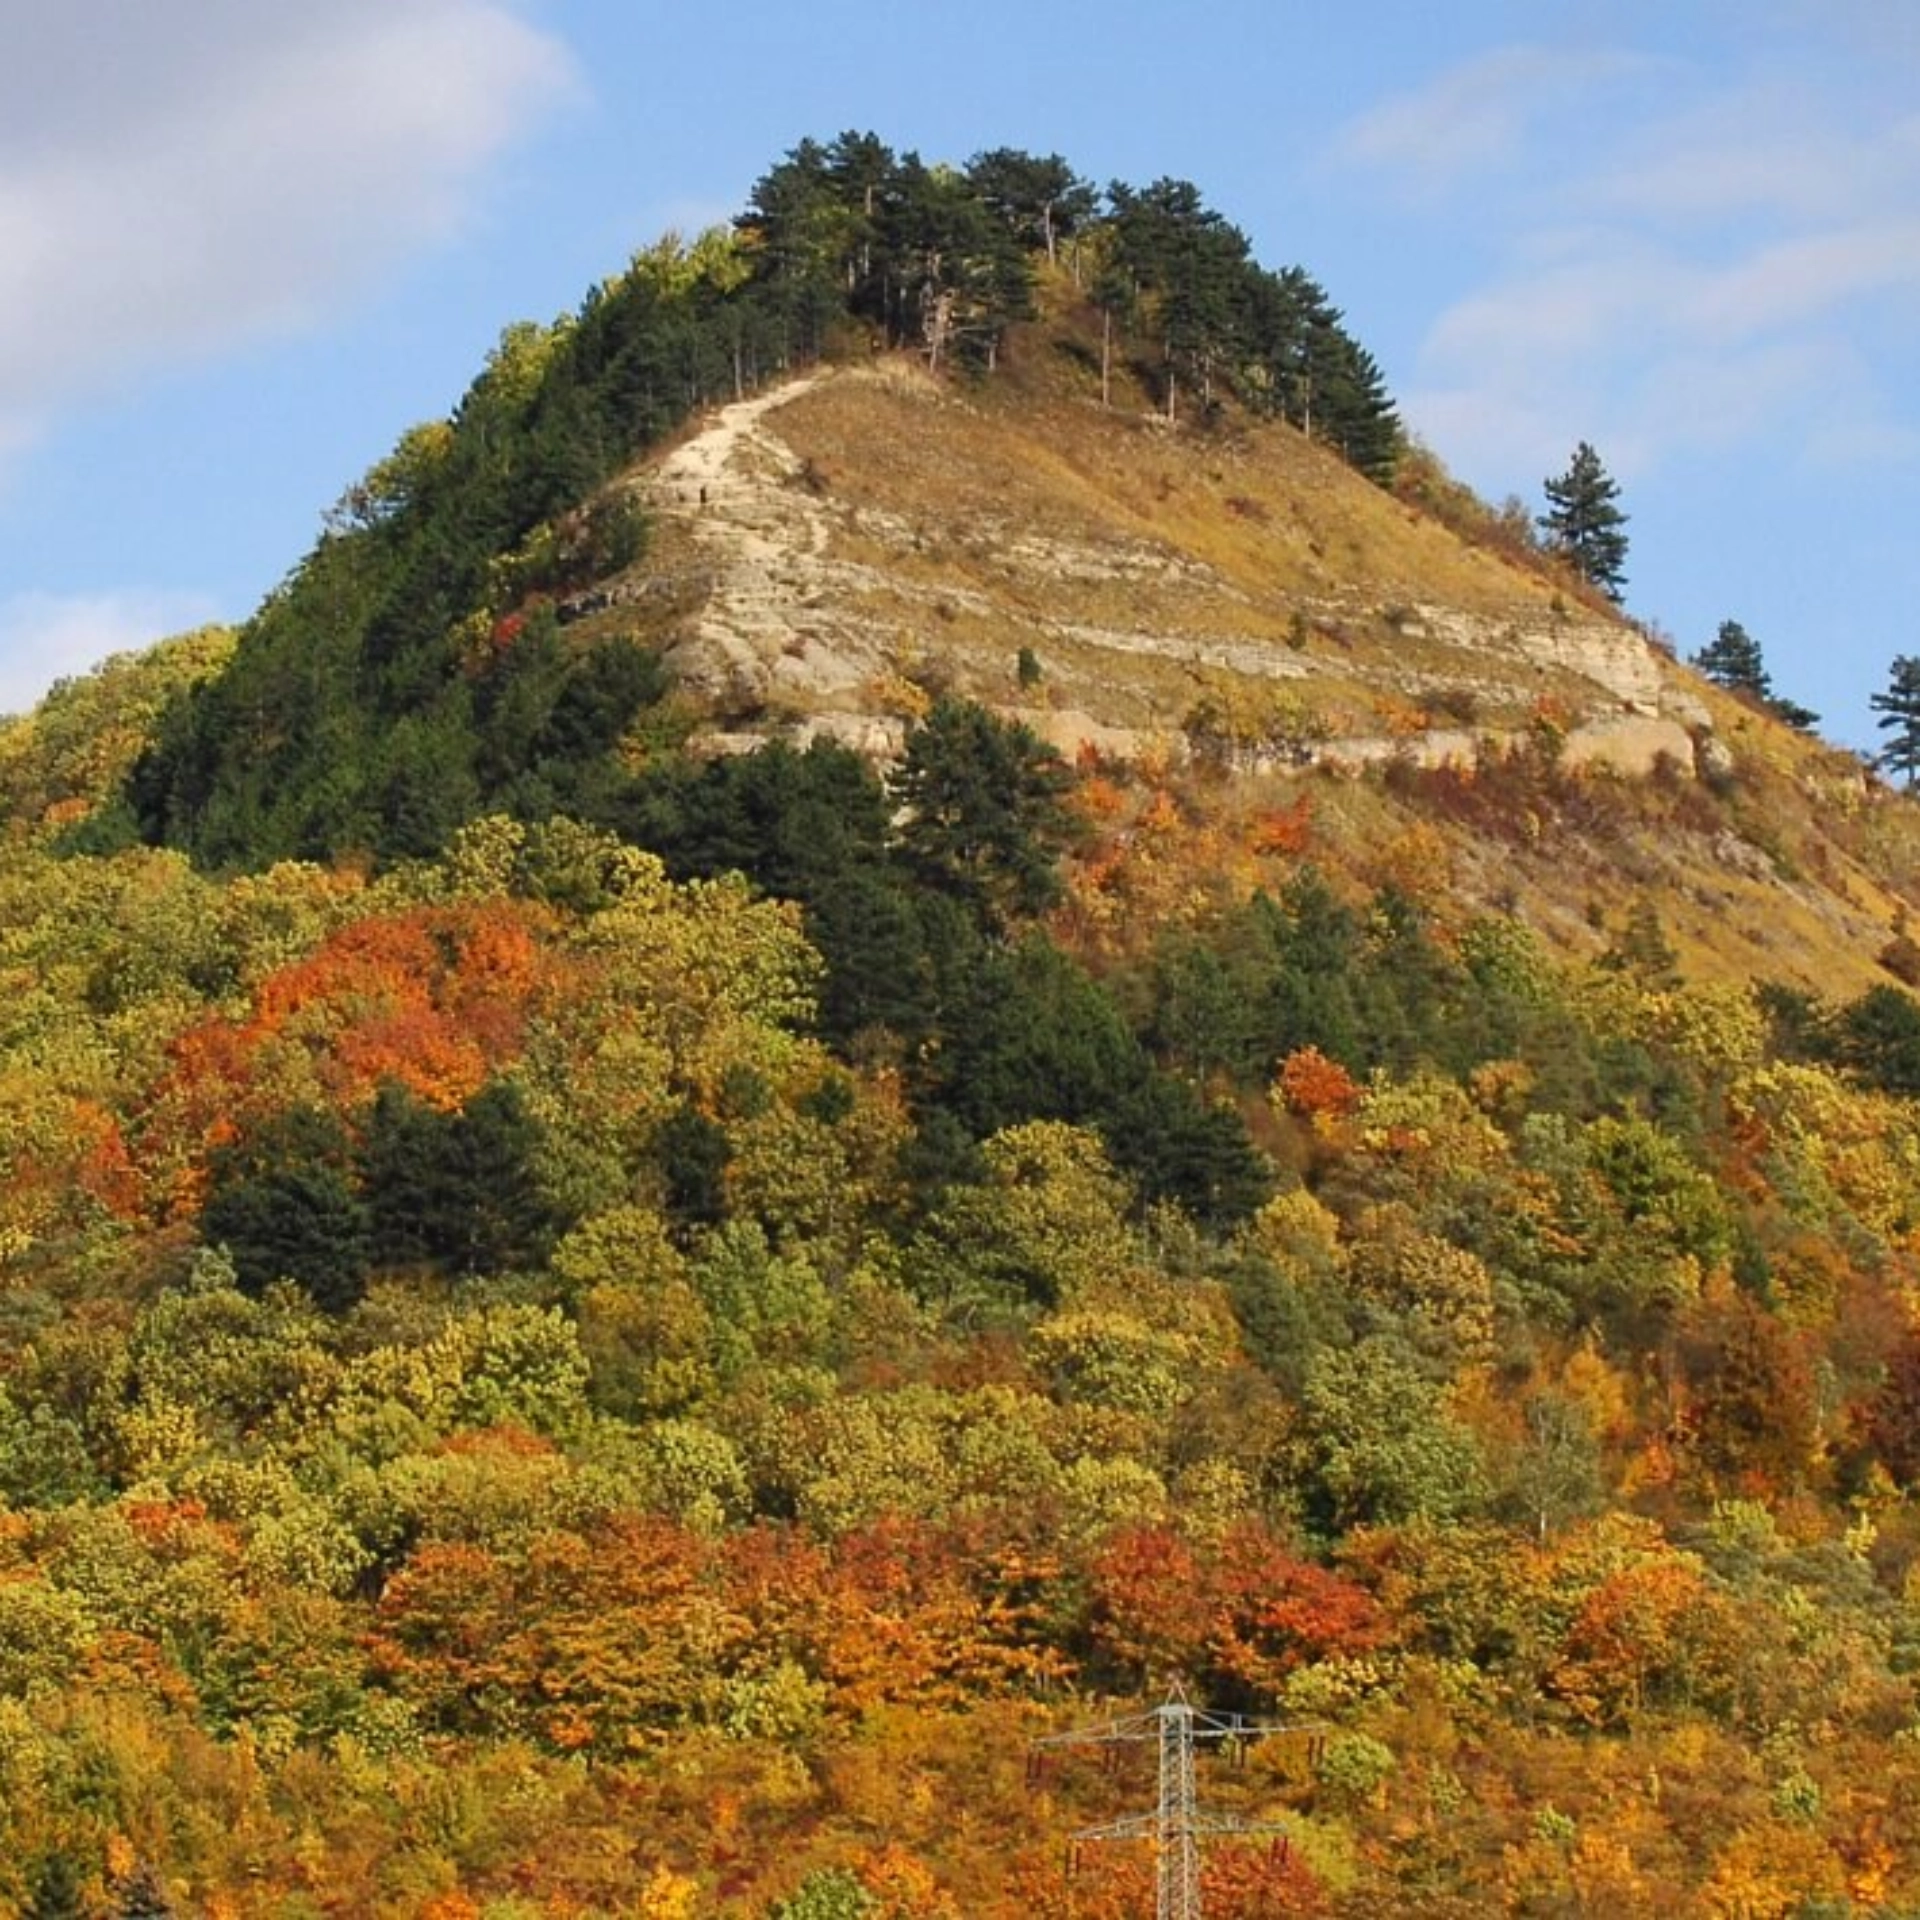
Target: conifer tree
(1801,719)
(1584,525)
(1305,366)
(1732,660)
(1899,710)
(983,811)
(1040,198)
(1190,264)
(56,1890)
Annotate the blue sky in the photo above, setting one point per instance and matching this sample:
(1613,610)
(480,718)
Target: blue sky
(243,246)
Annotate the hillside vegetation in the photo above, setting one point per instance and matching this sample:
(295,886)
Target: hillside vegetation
(906,997)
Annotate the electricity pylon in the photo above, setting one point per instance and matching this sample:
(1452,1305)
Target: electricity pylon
(1176,1825)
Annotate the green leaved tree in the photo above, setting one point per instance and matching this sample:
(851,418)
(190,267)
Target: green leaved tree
(1732,659)
(1584,524)
(1899,710)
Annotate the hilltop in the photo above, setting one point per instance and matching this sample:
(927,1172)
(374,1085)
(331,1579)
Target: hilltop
(907,433)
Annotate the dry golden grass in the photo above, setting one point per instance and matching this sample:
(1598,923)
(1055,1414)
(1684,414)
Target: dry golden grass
(947,525)
(1244,548)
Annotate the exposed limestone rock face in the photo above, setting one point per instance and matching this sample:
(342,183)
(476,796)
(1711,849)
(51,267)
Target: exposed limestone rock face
(1679,703)
(738,489)
(1736,855)
(849,542)
(1714,759)
(1069,733)
(1632,744)
(1437,747)
(1614,658)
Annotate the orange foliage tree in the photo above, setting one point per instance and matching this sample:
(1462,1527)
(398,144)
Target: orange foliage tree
(1233,1617)
(433,999)
(1317,1087)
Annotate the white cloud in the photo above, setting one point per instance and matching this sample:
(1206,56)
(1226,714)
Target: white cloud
(1476,117)
(1759,149)
(1863,442)
(1691,272)
(181,175)
(46,637)
(1717,399)
(1806,276)
(1544,315)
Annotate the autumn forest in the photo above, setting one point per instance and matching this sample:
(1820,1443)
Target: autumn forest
(594,1328)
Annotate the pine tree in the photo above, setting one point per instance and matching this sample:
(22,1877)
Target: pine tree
(281,1202)
(1583,524)
(1899,708)
(1187,267)
(1801,719)
(1040,199)
(1732,660)
(55,1891)
(983,811)
(457,1190)
(1303,365)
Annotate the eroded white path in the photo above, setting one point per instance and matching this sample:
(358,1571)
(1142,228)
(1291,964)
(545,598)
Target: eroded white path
(762,536)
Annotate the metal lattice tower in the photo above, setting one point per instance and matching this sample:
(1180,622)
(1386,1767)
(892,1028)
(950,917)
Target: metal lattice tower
(1178,1844)
(1176,1824)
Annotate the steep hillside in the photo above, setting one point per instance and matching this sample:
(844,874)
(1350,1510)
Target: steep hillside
(874,525)
(830,553)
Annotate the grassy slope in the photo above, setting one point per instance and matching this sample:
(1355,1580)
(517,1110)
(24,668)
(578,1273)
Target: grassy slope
(1148,568)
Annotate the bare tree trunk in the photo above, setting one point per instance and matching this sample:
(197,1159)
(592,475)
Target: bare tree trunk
(1106,357)
(938,324)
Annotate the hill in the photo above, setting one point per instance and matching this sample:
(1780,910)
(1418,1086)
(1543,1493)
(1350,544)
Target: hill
(910,994)
(828,556)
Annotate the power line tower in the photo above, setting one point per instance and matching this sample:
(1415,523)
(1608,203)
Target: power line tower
(1176,1825)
